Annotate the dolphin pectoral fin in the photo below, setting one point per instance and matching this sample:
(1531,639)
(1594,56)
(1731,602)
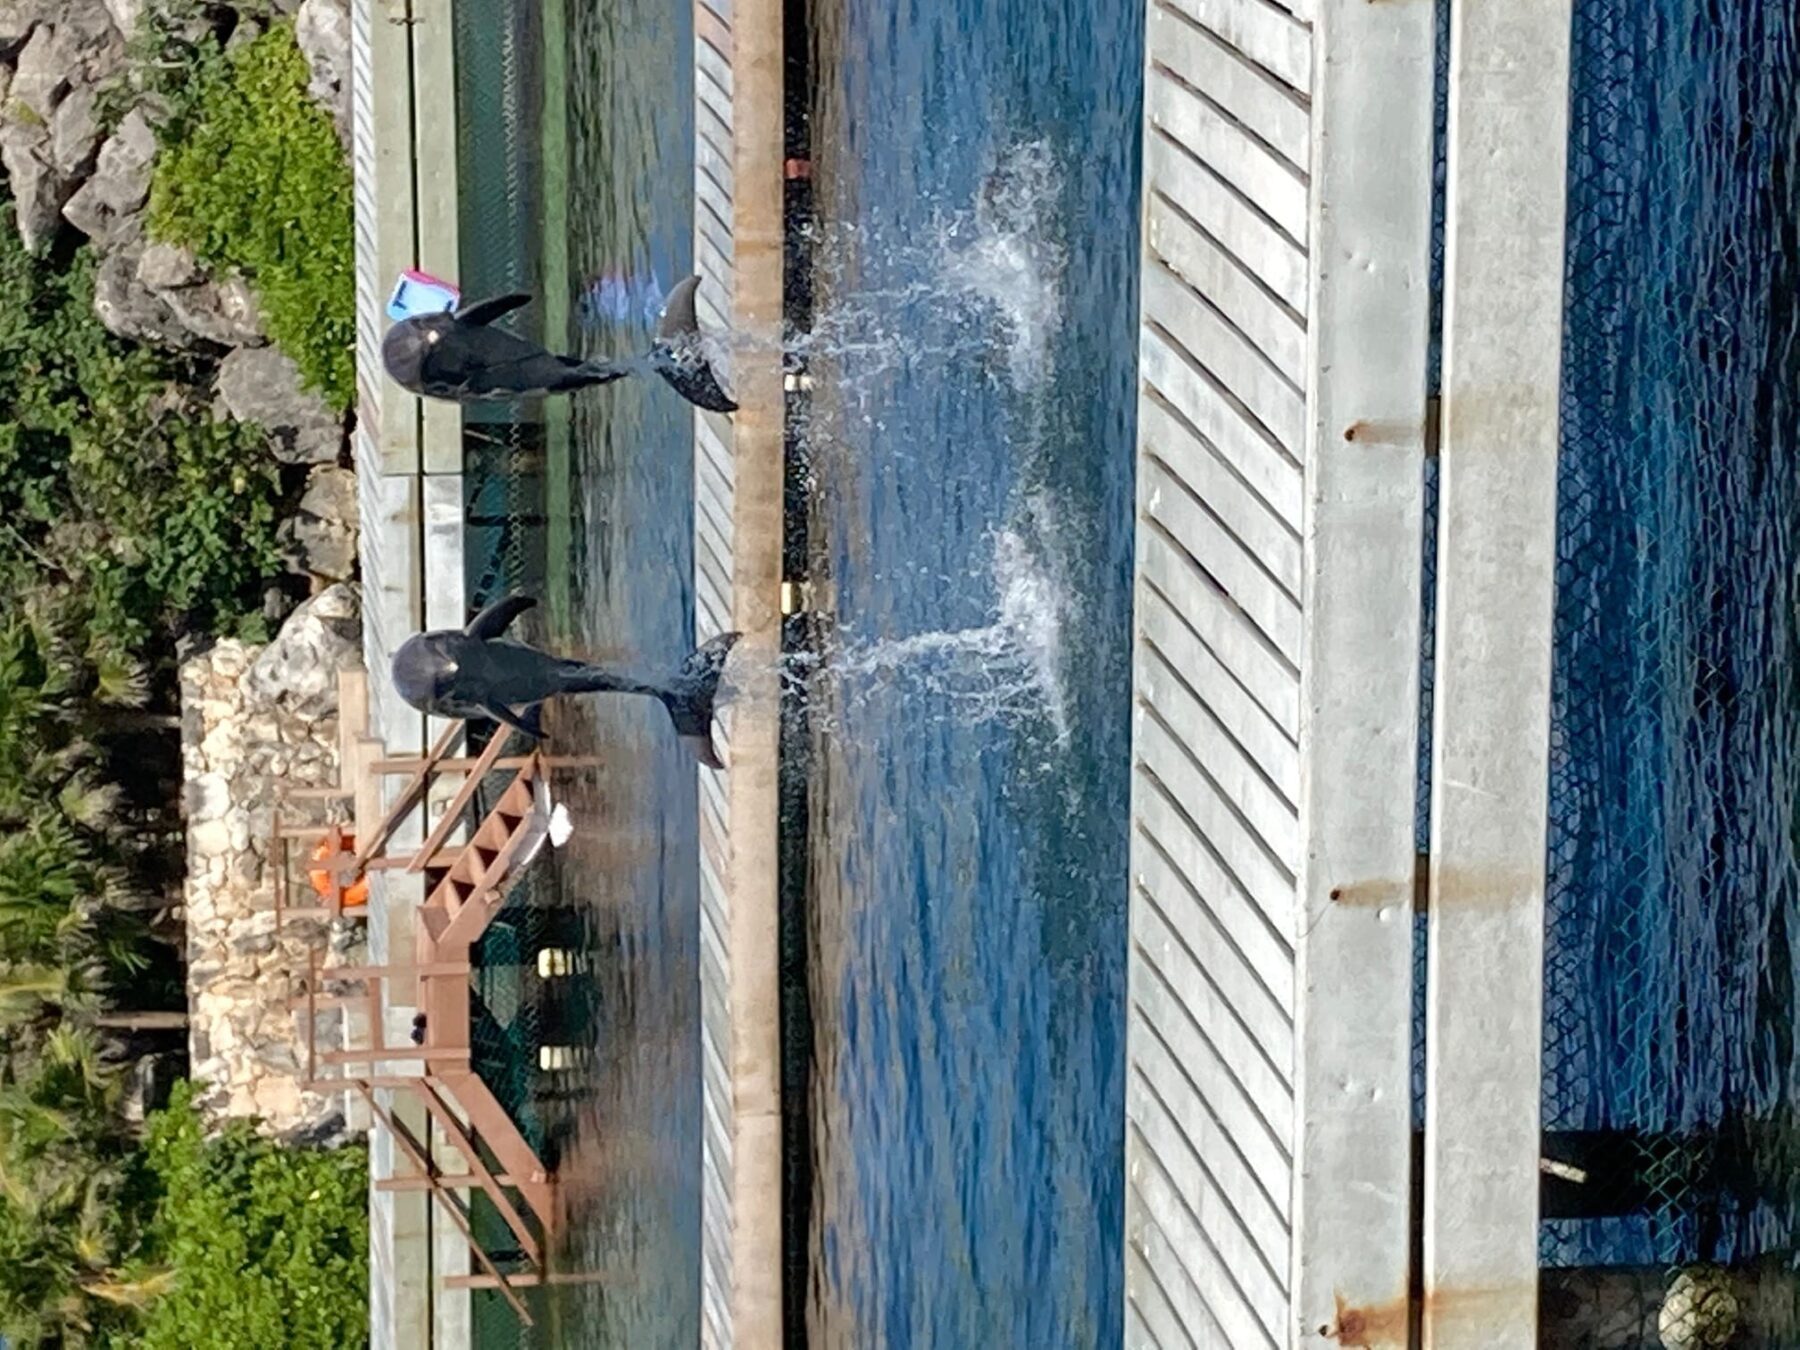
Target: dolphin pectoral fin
(678,318)
(493,621)
(526,724)
(484,312)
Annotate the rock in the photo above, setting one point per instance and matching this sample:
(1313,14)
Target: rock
(253,944)
(129,308)
(320,540)
(322,30)
(89,47)
(17,19)
(147,1085)
(224,312)
(262,385)
(277,1098)
(299,669)
(277,1055)
(329,1131)
(210,838)
(230,659)
(208,797)
(41,77)
(167,267)
(38,190)
(125,15)
(75,133)
(277,604)
(108,206)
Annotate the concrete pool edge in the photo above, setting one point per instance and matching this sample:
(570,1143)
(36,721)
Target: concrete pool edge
(739,474)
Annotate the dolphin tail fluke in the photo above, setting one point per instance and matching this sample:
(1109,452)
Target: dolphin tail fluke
(692,697)
(679,356)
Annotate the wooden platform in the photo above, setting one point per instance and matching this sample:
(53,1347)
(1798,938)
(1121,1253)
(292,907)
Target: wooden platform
(737,564)
(1284,423)
(1282,420)
(408,460)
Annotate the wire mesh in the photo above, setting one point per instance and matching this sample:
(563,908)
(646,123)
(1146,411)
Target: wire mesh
(515,1012)
(1668,1088)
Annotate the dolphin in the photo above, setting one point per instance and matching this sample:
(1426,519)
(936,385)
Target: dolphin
(478,672)
(462,357)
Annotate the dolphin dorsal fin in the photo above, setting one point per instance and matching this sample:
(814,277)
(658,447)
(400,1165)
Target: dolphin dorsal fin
(678,316)
(493,621)
(484,312)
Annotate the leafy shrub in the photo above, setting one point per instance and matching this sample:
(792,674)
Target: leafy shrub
(251,176)
(256,1245)
(119,492)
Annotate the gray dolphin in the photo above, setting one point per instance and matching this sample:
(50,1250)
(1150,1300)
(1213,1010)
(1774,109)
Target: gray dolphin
(462,357)
(478,672)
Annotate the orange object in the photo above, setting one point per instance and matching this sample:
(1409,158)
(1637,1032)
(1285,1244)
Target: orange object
(356,894)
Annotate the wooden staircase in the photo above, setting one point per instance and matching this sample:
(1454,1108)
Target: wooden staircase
(463,897)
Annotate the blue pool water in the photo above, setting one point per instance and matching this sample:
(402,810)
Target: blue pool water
(969,469)
(970,462)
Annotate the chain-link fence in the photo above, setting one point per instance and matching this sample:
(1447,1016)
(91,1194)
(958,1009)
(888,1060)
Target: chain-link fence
(1670,1200)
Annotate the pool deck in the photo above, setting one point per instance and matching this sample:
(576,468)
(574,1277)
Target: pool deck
(409,484)
(1284,423)
(738,473)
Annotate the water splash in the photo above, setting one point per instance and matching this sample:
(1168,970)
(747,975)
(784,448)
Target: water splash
(987,273)
(1014,262)
(1007,668)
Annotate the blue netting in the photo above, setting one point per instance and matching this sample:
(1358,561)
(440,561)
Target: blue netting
(1672,870)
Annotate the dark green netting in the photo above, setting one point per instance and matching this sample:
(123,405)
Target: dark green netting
(500,185)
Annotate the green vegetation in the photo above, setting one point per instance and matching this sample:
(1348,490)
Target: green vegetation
(125,509)
(177,1242)
(129,519)
(256,1245)
(251,177)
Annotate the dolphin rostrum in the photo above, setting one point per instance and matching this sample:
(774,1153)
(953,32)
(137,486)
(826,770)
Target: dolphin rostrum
(462,357)
(479,672)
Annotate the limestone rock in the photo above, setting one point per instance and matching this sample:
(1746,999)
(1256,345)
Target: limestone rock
(166,267)
(17,20)
(208,797)
(223,312)
(253,725)
(125,14)
(42,75)
(108,206)
(320,540)
(75,133)
(262,385)
(129,308)
(299,669)
(322,30)
(89,48)
(38,190)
